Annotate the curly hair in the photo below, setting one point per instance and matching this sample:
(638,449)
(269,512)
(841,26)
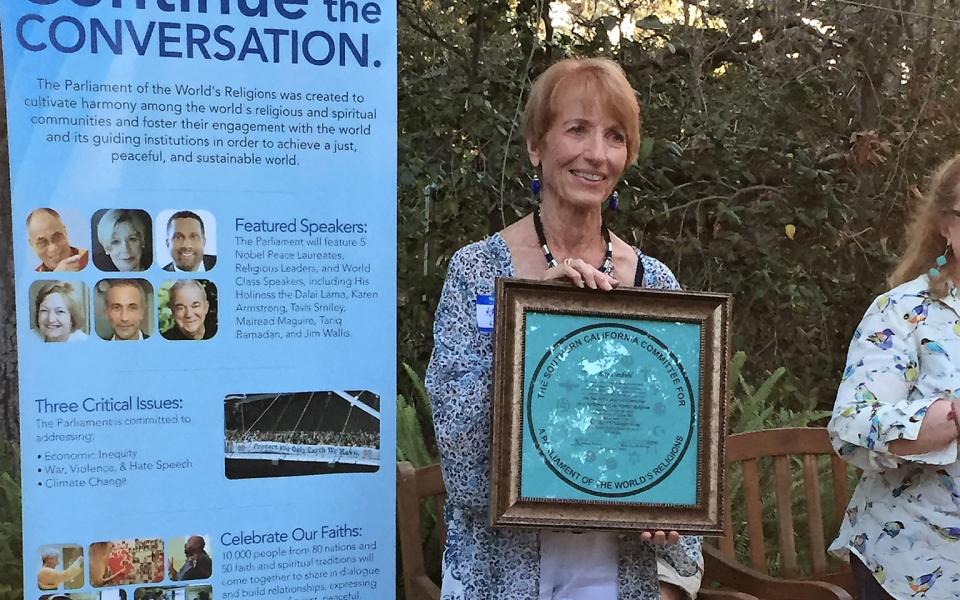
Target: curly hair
(925,242)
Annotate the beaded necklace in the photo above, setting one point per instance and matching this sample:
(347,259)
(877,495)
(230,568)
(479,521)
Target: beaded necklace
(606,267)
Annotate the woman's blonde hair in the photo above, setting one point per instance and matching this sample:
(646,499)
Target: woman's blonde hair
(924,240)
(113,217)
(600,78)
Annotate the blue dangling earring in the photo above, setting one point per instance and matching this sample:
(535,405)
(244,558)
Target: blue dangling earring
(615,201)
(535,185)
(941,261)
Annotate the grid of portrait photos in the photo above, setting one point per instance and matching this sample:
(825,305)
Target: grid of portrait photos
(128,569)
(122,274)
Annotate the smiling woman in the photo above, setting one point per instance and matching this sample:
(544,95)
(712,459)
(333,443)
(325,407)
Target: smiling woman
(582,129)
(59,311)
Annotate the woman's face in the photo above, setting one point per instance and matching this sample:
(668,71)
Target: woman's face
(126,247)
(53,318)
(582,154)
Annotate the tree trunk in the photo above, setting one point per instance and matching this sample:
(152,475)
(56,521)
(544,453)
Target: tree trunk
(9,389)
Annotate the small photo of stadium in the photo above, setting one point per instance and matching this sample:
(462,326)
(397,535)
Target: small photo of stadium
(301,433)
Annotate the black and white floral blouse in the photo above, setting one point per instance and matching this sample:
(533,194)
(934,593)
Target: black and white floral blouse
(504,564)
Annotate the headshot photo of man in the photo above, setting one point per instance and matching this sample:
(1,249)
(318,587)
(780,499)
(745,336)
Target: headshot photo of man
(123,309)
(49,240)
(123,240)
(190,311)
(196,563)
(186,241)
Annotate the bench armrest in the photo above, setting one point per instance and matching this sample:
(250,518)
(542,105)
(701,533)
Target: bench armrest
(723,595)
(733,575)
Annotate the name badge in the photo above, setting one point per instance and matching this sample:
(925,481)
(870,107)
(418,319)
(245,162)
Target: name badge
(485,313)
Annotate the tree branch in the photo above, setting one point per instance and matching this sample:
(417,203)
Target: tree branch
(733,196)
(425,28)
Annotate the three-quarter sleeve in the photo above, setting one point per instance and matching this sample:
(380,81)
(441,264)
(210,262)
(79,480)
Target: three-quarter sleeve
(889,382)
(684,558)
(458,382)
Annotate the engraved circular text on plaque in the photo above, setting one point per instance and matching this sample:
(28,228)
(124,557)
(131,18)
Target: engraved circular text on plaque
(611,410)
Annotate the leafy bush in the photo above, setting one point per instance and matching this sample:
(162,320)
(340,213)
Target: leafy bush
(11,536)
(785,142)
(758,407)
(755,408)
(415,424)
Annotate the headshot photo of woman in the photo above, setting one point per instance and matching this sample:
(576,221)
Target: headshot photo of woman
(122,240)
(59,311)
(582,130)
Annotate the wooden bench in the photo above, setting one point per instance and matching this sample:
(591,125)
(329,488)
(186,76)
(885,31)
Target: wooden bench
(426,484)
(811,448)
(414,486)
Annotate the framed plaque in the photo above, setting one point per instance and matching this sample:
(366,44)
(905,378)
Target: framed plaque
(609,408)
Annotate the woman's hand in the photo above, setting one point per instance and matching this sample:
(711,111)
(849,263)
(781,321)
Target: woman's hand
(660,538)
(670,592)
(581,274)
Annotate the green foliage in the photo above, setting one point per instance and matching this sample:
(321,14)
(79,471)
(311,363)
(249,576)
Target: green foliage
(410,444)
(415,424)
(11,537)
(423,405)
(759,407)
(754,408)
(165,320)
(784,141)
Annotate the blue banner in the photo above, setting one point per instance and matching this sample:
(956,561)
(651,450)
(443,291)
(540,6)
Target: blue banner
(204,231)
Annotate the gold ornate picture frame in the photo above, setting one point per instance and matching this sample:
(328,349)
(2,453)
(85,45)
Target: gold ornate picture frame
(609,408)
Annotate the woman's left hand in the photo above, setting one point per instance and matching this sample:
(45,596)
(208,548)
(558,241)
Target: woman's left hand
(670,592)
(660,538)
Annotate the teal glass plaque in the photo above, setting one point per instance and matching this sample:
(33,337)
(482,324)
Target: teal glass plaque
(608,408)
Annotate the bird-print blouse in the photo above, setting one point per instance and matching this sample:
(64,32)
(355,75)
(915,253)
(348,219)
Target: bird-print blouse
(481,563)
(904,518)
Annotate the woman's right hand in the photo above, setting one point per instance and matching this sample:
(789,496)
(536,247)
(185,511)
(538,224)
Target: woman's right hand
(581,274)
